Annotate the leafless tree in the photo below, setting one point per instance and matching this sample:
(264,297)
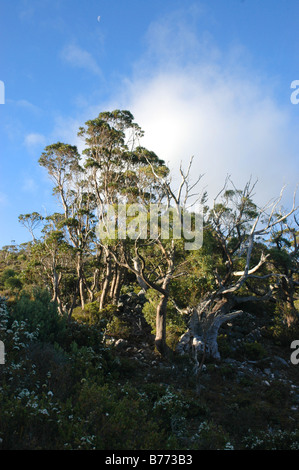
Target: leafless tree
(237,228)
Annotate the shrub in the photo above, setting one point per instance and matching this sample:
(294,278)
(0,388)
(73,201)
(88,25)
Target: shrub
(118,328)
(117,418)
(282,332)
(210,436)
(224,347)
(254,351)
(39,313)
(93,315)
(272,440)
(10,280)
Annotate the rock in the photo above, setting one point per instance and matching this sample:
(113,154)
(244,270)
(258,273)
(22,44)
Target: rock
(281,361)
(121,343)
(254,335)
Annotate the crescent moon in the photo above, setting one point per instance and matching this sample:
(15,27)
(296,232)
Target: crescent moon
(99,18)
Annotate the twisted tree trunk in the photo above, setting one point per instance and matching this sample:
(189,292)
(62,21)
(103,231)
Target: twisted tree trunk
(160,339)
(107,279)
(206,319)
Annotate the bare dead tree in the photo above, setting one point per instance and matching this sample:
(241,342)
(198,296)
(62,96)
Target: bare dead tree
(236,232)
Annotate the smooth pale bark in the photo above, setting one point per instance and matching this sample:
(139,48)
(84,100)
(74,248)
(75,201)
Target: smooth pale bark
(160,339)
(201,337)
(56,278)
(118,279)
(106,282)
(79,268)
(161,312)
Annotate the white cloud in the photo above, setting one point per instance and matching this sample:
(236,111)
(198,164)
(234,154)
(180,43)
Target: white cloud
(33,140)
(214,107)
(25,104)
(78,57)
(192,98)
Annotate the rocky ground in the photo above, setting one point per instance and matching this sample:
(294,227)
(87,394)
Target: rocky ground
(253,386)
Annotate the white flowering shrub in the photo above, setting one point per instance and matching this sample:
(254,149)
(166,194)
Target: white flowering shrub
(16,338)
(171,402)
(210,436)
(272,440)
(64,396)
(74,393)
(29,406)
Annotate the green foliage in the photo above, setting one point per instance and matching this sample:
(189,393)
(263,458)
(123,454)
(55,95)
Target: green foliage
(150,307)
(272,440)
(10,280)
(282,332)
(175,322)
(118,328)
(55,398)
(7,274)
(224,347)
(115,415)
(13,284)
(78,394)
(40,314)
(253,351)
(211,436)
(93,315)
(62,387)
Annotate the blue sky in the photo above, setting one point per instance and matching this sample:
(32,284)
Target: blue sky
(207,78)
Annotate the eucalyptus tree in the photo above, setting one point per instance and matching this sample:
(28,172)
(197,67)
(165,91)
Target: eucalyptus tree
(154,237)
(123,172)
(31,222)
(51,259)
(63,163)
(117,168)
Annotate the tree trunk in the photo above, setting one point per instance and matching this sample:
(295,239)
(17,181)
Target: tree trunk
(81,292)
(55,285)
(117,285)
(95,284)
(73,304)
(160,340)
(113,282)
(201,337)
(106,281)
(80,279)
(56,278)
